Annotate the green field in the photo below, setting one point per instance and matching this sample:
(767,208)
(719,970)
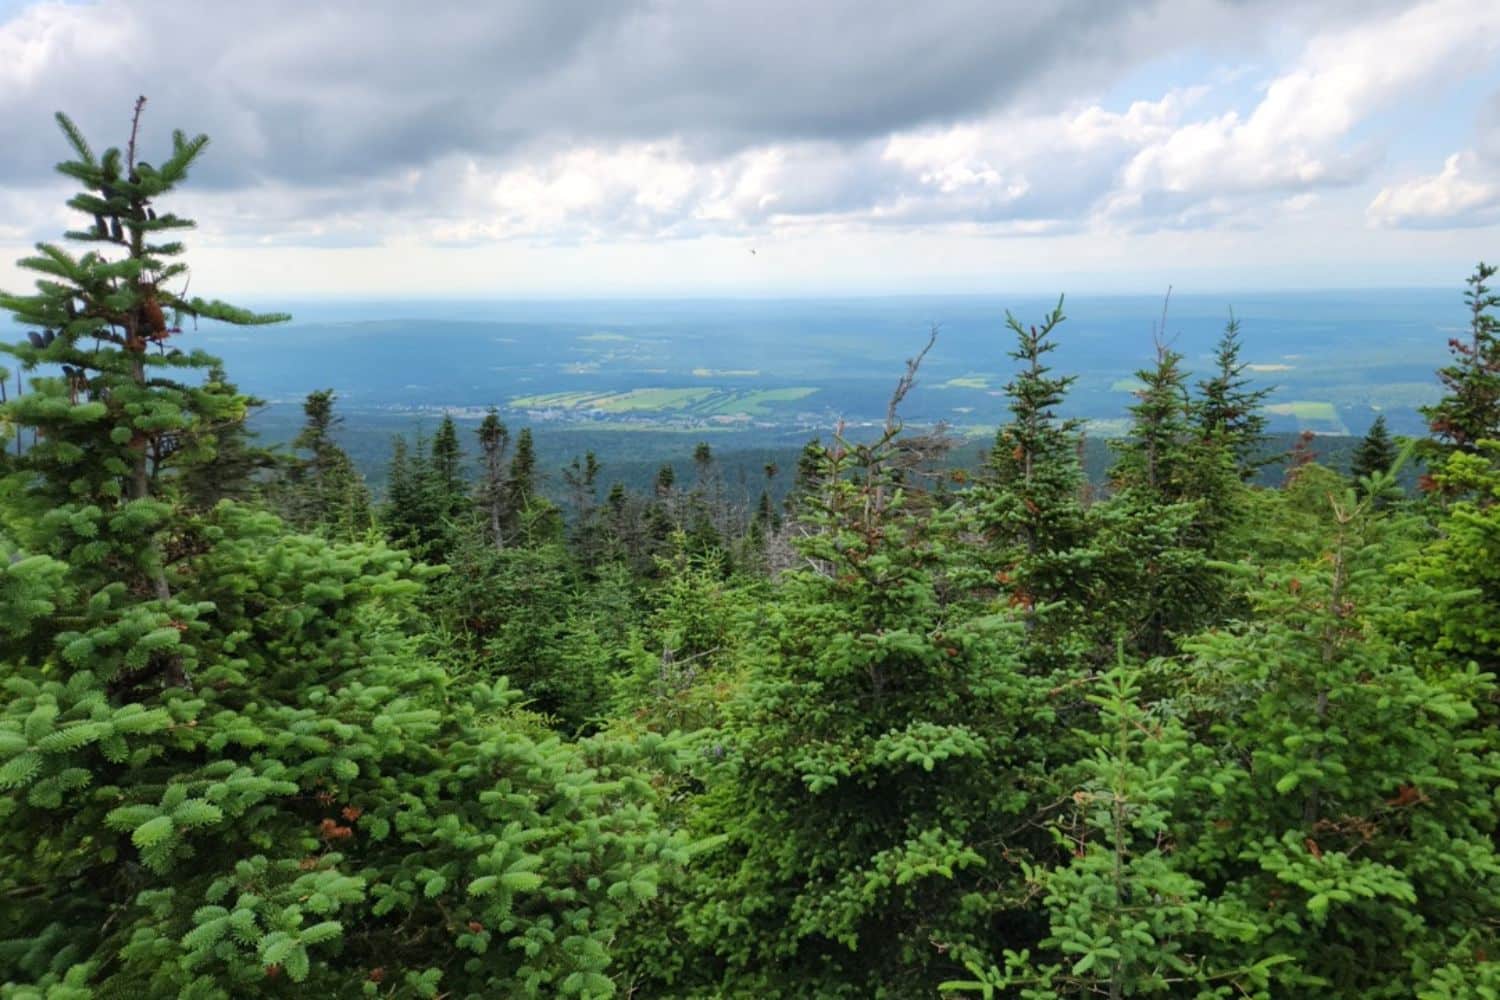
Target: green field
(646,400)
(967,382)
(1110,428)
(547,400)
(1306,410)
(756,403)
(703,402)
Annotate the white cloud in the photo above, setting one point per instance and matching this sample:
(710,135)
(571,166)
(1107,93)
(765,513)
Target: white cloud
(1295,138)
(1466,192)
(345,132)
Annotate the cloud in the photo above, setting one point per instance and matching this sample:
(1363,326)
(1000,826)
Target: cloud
(1466,192)
(1296,138)
(386,124)
(350,89)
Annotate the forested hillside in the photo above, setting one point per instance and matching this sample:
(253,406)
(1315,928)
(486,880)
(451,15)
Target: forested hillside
(878,721)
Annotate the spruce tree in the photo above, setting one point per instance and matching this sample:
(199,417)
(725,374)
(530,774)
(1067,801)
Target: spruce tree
(1227,410)
(1154,456)
(120,407)
(1349,820)
(226,769)
(447,468)
(239,469)
(1176,500)
(1376,453)
(870,770)
(323,490)
(1470,408)
(1029,497)
(494,443)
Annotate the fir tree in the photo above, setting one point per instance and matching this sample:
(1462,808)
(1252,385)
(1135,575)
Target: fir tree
(239,467)
(494,443)
(1228,411)
(870,685)
(447,468)
(1350,778)
(666,478)
(323,491)
(225,767)
(103,317)
(1029,497)
(1376,453)
(1303,453)
(1154,455)
(1124,918)
(523,471)
(1470,408)
(1176,502)
(582,479)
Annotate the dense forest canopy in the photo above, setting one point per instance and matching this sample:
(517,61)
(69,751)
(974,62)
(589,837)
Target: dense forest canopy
(903,726)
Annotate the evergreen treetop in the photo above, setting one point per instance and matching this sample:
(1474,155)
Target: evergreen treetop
(1228,411)
(1470,408)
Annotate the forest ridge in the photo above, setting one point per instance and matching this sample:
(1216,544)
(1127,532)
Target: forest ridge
(916,730)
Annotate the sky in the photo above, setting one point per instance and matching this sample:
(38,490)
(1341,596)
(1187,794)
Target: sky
(390,149)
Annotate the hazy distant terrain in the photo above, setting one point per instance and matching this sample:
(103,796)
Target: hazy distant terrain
(1336,358)
(644,380)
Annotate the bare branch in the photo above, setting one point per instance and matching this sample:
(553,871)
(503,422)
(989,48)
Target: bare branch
(135,125)
(1159,333)
(907,381)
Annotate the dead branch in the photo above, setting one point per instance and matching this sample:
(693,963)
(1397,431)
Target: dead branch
(906,382)
(135,126)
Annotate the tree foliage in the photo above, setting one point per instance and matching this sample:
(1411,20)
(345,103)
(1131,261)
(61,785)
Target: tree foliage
(914,732)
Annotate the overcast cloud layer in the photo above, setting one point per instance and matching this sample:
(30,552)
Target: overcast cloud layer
(375,144)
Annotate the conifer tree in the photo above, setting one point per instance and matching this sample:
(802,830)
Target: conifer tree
(1124,918)
(1303,453)
(103,317)
(400,487)
(1176,499)
(705,512)
(239,467)
(582,479)
(494,443)
(447,468)
(1376,453)
(324,491)
(1228,411)
(523,471)
(530,517)
(1470,408)
(1352,805)
(869,765)
(225,768)
(1460,557)
(423,506)
(1029,499)
(666,478)
(1154,457)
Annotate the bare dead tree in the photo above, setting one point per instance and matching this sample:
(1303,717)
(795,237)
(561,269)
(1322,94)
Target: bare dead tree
(905,384)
